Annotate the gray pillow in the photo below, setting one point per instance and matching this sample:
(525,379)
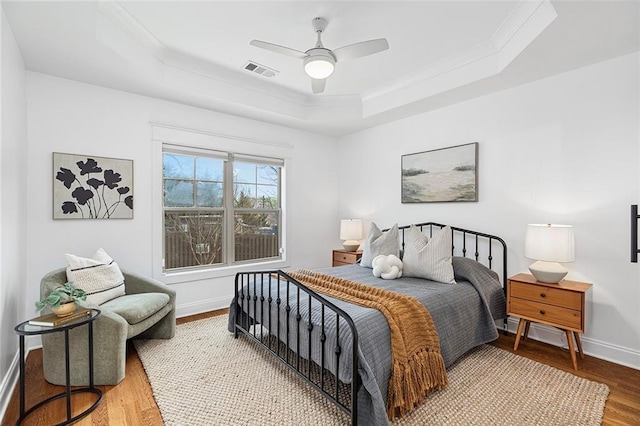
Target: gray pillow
(428,258)
(379,243)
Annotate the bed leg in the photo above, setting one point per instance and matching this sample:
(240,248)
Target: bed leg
(235,331)
(505,327)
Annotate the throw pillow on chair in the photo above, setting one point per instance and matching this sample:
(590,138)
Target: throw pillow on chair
(132,306)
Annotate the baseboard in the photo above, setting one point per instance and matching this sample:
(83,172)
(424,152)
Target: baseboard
(208,305)
(8,385)
(607,351)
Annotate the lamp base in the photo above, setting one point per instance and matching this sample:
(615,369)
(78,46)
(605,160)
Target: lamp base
(351,245)
(548,272)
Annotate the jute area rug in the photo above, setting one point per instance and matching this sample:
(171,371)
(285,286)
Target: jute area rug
(203,376)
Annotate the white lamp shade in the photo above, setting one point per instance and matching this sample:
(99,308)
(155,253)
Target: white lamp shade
(549,243)
(350,229)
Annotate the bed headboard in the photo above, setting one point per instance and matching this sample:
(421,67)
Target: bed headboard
(481,246)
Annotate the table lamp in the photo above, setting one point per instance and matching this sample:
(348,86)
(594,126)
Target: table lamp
(351,231)
(549,244)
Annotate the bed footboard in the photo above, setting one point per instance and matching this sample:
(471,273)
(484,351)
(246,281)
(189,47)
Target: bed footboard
(302,328)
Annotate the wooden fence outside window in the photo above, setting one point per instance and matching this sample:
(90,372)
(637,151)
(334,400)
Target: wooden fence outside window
(182,253)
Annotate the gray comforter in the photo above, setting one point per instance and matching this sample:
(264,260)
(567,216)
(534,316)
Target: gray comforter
(464,315)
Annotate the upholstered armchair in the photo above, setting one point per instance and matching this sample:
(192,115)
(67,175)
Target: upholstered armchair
(147,310)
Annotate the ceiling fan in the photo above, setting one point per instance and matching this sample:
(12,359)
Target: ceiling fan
(319,62)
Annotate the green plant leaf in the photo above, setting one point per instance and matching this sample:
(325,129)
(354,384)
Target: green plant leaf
(53,299)
(62,294)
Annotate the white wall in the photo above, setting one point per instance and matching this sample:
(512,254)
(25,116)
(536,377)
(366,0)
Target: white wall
(13,205)
(564,149)
(561,150)
(72,117)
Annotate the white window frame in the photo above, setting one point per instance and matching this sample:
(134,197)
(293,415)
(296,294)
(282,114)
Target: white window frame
(245,148)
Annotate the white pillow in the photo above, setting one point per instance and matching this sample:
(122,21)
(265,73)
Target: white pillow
(379,243)
(99,277)
(428,258)
(387,267)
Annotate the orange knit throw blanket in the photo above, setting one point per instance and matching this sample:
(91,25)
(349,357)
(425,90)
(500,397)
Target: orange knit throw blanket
(417,364)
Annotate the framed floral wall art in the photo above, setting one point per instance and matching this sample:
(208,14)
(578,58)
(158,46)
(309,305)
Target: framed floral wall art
(441,175)
(90,187)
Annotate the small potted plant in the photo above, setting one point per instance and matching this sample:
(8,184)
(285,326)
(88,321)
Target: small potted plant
(63,299)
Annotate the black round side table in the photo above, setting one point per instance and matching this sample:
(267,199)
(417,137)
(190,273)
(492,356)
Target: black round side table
(26,329)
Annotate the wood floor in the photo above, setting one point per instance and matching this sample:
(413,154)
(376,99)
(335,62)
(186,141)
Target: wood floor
(131,402)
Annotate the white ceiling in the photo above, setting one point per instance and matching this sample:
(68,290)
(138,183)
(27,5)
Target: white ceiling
(222,35)
(440,51)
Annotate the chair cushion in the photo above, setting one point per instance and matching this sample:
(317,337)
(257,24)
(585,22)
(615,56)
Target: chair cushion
(136,307)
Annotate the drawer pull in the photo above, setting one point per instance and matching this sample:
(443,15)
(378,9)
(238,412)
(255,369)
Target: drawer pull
(344,257)
(542,312)
(543,295)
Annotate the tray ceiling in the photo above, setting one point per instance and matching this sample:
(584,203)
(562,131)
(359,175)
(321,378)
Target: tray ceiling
(440,51)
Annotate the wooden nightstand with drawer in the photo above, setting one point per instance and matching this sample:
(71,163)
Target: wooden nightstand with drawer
(559,305)
(341,257)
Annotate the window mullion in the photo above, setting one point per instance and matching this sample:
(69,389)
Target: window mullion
(195,182)
(229,215)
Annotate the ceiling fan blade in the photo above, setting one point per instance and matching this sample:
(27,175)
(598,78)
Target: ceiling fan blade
(278,49)
(318,85)
(358,50)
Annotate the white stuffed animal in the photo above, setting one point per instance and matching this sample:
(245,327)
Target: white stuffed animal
(387,267)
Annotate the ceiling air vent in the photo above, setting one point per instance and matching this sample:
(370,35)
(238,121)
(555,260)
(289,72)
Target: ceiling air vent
(260,69)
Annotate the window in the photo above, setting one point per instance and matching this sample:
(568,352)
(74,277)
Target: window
(220,208)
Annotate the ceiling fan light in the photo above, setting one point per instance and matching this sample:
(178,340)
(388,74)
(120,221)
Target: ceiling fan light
(319,67)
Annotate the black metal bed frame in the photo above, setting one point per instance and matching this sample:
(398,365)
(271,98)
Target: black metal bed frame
(462,234)
(318,376)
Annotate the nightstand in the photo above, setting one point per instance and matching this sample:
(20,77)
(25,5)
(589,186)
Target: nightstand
(341,257)
(559,305)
